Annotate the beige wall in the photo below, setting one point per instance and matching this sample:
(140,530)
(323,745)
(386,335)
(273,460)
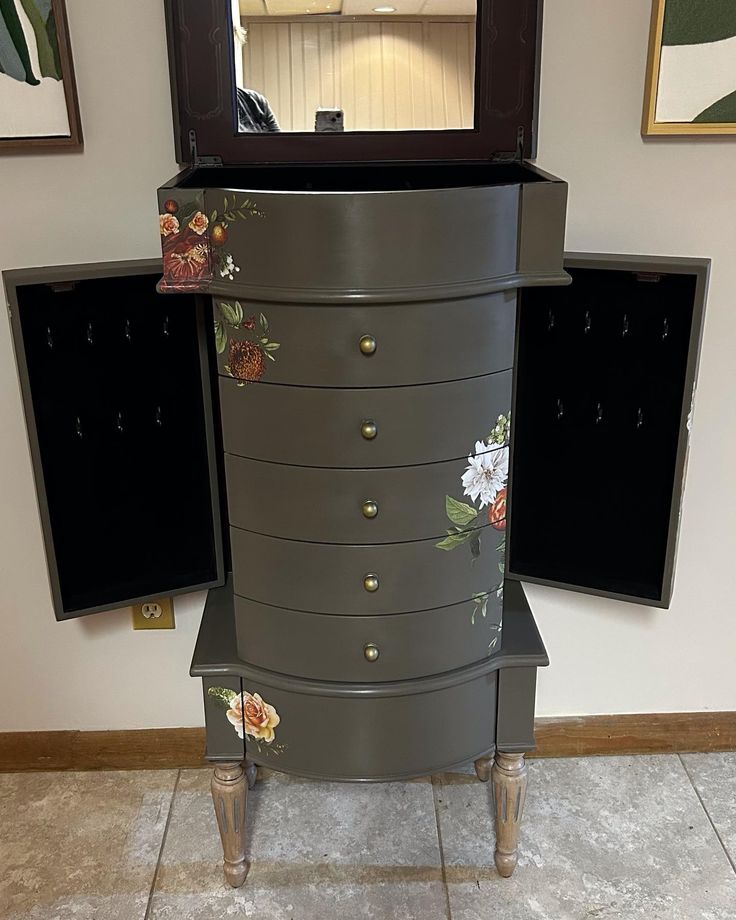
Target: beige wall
(672,197)
(384,75)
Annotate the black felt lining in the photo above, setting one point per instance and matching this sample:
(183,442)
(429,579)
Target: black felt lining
(117,395)
(600,386)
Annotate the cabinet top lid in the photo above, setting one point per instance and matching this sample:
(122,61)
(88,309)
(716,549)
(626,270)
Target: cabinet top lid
(419,80)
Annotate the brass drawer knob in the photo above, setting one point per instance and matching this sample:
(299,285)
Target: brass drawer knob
(370,582)
(367,344)
(371,652)
(368,429)
(370,509)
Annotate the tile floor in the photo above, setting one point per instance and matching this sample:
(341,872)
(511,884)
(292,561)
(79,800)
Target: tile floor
(624,837)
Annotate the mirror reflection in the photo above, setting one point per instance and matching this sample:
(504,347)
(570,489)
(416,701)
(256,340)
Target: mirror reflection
(354,65)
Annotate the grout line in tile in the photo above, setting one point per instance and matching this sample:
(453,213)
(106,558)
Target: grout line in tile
(707,813)
(437,784)
(149,904)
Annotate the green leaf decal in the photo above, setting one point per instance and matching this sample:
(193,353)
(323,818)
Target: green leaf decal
(458,512)
(452,540)
(221,696)
(220,337)
(231,313)
(186,211)
(272,346)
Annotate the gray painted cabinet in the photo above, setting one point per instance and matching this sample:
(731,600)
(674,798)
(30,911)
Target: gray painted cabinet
(365,404)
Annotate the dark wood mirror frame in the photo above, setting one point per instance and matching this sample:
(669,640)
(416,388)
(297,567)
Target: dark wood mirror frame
(202,79)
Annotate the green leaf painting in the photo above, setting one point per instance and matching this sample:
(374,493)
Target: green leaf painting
(696,65)
(721,112)
(15,53)
(693,22)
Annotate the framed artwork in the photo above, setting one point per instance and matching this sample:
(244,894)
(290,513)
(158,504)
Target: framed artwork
(38,93)
(691,72)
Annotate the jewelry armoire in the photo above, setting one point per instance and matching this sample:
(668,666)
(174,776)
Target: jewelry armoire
(375,397)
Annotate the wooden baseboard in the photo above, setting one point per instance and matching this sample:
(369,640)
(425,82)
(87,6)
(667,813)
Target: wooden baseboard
(640,733)
(172,748)
(136,749)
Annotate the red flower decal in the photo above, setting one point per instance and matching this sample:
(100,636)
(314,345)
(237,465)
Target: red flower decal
(186,258)
(497,511)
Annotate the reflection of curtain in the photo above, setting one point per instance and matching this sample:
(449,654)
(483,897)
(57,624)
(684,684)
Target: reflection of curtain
(15,55)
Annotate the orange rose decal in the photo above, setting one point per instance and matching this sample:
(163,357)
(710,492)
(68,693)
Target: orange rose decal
(252,712)
(168,224)
(198,223)
(497,511)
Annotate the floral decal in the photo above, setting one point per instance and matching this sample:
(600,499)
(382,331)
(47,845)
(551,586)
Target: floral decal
(485,482)
(247,355)
(193,243)
(219,222)
(249,714)
(480,606)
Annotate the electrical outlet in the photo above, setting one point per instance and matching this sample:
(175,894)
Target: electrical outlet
(156,614)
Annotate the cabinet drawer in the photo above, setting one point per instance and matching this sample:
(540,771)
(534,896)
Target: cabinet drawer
(324,427)
(388,505)
(415,728)
(364,649)
(368,345)
(328,578)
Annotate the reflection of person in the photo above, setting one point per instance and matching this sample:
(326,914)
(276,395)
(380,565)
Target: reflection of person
(254,113)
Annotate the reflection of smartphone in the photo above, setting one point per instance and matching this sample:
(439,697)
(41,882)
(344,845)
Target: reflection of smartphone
(328,120)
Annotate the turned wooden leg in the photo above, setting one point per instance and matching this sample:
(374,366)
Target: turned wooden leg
(483,768)
(229,795)
(251,772)
(509,790)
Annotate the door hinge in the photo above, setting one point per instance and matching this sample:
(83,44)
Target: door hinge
(512,156)
(196,159)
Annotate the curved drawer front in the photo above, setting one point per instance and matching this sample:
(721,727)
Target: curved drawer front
(364,649)
(327,578)
(417,731)
(365,241)
(388,505)
(365,346)
(327,427)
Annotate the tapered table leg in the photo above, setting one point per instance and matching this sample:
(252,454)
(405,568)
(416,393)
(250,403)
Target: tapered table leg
(509,790)
(229,795)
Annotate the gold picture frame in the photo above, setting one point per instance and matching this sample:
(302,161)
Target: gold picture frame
(650,125)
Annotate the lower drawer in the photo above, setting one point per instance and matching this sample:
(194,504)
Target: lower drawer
(409,729)
(387,578)
(364,649)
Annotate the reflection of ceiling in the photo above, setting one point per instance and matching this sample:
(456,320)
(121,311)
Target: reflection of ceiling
(357,7)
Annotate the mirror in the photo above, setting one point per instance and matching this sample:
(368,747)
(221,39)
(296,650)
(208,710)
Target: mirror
(335,66)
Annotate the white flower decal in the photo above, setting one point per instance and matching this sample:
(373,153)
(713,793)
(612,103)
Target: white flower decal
(486,474)
(228,266)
